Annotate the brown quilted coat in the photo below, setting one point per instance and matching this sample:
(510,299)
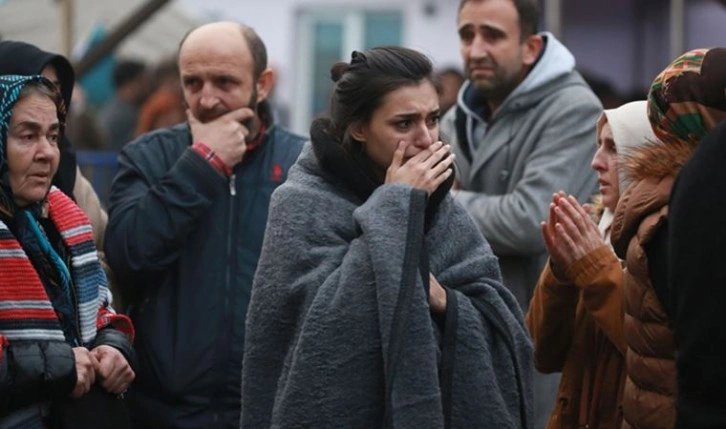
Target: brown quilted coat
(650,387)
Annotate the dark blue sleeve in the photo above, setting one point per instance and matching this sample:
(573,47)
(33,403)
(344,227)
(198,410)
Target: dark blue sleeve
(157,198)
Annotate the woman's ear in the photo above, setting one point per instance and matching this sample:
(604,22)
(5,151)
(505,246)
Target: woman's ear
(358,132)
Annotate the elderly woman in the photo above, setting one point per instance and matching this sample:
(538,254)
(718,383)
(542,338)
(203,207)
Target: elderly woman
(58,335)
(22,58)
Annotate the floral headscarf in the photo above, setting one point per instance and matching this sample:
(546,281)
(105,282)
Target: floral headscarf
(688,98)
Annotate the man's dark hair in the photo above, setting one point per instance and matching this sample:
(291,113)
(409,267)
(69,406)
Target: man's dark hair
(127,71)
(361,85)
(528,12)
(258,50)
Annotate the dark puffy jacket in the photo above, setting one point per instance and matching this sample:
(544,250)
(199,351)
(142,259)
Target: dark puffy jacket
(184,242)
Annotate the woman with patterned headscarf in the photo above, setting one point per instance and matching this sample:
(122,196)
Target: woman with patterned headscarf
(59,339)
(686,100)
(20,58)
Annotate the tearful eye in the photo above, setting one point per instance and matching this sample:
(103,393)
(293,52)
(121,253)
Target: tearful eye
(406,123)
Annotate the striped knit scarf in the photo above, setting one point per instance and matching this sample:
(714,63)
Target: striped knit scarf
(26,312)
(25,309)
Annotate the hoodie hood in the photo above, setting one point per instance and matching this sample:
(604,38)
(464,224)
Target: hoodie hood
(19,58)
(554,62)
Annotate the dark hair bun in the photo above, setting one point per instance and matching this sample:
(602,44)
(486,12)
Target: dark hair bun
(338,69)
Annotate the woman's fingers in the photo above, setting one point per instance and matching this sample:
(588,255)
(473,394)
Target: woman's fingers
(437,153)
(426,170)
(548,235)
(564,218)
(425,154)
(553,217)
(397,160)
(569,247)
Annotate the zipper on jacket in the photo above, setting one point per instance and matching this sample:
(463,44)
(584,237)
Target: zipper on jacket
(230,239)
(232,188)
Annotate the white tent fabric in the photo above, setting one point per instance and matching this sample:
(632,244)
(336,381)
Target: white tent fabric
(38,22)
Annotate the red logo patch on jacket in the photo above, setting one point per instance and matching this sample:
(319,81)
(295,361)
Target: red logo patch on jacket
(276,173)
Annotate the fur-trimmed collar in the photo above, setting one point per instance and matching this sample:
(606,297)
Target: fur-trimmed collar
(650,170)
(655,160)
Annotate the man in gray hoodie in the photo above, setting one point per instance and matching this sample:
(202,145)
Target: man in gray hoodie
(523,128)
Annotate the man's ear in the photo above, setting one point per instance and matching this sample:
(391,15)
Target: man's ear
(357,131)
(532,48)
(265,84)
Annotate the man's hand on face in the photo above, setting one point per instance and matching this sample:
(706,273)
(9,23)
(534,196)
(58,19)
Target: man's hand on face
(224,135)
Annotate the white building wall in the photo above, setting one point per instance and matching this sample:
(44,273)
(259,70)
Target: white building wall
(275,22)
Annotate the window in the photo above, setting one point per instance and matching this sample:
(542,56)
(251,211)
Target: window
(326,36)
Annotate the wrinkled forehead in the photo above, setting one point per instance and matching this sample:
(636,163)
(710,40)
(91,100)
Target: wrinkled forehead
(36,113)
(219,59)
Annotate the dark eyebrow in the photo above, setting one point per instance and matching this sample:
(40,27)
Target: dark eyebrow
(415,115)
(28,125)
(228,77)
(497,31)
(34,126)
(488,27)
(407,116)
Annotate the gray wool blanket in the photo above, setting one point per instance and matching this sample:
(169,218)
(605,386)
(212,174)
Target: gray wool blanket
(339,331)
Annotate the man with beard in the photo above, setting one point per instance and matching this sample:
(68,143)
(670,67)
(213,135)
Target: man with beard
(187,215)
(523,129)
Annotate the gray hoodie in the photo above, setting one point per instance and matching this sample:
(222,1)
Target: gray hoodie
(539,141)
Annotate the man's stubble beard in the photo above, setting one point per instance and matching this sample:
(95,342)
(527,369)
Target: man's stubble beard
(208,116)
(497,88)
